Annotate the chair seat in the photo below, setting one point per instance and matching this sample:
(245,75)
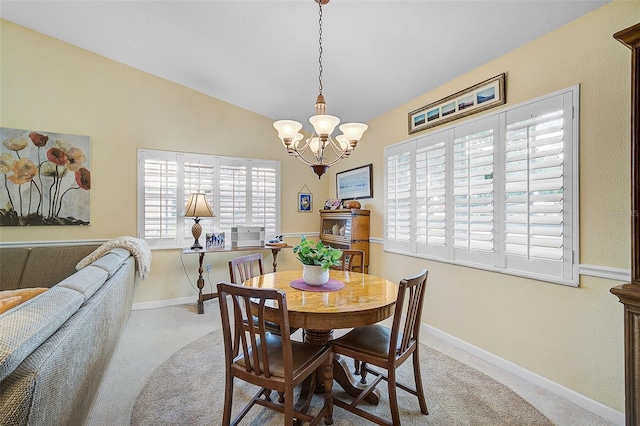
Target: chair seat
(302,354)
(371,339)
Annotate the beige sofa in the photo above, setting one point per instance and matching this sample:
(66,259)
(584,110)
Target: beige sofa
(55,347)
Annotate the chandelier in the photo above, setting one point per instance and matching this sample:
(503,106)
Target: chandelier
(320,151)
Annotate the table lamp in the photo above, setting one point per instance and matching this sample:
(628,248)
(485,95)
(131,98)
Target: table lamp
(197,207)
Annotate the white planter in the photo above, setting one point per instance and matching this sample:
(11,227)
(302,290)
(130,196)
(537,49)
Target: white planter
(314,275)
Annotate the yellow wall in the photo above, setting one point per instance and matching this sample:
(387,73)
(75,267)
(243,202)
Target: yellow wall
(572,336)
(52,86)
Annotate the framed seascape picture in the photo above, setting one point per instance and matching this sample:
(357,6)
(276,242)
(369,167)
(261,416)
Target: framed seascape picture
(355,183)
(47,178)
(479,97)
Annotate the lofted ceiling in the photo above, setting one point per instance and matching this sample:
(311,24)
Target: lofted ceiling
(263,55)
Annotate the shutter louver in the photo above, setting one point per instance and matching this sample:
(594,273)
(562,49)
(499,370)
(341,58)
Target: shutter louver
(398,217)
(160,198)
(198,177)
(534,156)
(263,198)
(233,196)
(431,195)
(473,192)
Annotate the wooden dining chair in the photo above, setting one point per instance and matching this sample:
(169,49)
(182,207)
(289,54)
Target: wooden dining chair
(243,268)
(388,349)
(352,260)
(267,360)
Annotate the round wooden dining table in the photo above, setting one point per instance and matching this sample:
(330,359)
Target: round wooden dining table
(365,299)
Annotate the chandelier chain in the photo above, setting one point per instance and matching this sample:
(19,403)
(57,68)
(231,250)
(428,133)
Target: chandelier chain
(320,49)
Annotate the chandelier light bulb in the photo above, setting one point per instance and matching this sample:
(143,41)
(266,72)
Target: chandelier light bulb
(314,144)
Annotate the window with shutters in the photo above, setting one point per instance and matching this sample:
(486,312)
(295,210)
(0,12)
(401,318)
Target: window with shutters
(241,191)
(498,192)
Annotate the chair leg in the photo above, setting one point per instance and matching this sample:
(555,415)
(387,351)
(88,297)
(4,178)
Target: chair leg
(419,388)
(393,396)
(356,366)
(288,406)
(328,384)
(363,373)
(228,400)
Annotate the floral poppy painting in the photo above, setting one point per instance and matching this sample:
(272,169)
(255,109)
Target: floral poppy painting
(45,178)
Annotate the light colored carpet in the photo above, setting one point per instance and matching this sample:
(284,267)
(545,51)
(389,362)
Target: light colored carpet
(188,389)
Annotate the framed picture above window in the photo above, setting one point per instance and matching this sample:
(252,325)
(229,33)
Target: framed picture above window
(355,183)
(479,97)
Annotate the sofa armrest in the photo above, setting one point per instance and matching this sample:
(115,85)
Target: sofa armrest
(27,326)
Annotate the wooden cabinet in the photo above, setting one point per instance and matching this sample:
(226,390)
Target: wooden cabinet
(346,229)
(629,294)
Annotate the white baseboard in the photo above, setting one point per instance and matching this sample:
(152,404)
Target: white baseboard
(580,400)
(164,303)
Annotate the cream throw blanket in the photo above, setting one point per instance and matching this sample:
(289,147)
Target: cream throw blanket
(138,248)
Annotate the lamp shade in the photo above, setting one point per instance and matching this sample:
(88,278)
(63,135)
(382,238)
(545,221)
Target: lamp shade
(198,206)
(353,131)
(287,129)
(324,124)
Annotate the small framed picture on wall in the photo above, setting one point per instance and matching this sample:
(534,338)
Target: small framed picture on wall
(305,202)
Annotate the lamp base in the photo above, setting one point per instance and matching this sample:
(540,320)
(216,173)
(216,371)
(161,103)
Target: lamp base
(196,231)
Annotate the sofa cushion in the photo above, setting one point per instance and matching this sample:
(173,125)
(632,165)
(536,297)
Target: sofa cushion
(25,328)
(12,261)
(111,261)
(25,293)
(8,303)
(86,281)
(47,266)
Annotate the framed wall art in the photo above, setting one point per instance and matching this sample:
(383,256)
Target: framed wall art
(46,178)
(305,200)
(480,97)
(355,183)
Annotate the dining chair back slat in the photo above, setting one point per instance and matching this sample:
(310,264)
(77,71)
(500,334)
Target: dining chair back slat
(351,260)
(243,268)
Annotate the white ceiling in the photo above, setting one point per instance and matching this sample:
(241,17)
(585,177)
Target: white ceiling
(263,55)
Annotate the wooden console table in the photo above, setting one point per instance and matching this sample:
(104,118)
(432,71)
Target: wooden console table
(207,296)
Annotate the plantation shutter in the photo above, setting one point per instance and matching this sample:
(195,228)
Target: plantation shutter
(240,191)
(430,198)
(199,177)
(498,192)
(159,198)
(536,201)
(398,209)
(264,207)
(473,147)
(233,198)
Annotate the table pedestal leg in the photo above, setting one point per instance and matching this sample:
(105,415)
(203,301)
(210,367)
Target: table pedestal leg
(201,296)
(274,252)
(341,369)
(200,283)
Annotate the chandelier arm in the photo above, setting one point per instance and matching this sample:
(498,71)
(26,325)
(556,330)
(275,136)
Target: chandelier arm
(338,158)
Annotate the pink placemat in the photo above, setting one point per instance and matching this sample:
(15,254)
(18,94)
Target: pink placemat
(331,285)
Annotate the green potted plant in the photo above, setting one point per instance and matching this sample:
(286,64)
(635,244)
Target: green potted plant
(316,260)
